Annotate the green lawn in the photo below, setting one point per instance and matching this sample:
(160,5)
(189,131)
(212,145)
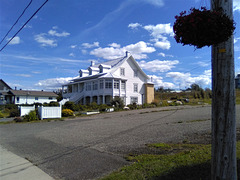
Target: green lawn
(173,161)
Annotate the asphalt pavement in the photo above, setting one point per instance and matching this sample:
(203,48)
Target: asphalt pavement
(91,147)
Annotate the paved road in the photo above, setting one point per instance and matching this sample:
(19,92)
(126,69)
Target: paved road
(89,147)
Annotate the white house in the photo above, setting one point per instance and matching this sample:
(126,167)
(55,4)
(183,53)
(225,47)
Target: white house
(121,77)
(10,96)
(31,97)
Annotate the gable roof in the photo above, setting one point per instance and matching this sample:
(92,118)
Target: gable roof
(5,84)
(33,93)
(113,65)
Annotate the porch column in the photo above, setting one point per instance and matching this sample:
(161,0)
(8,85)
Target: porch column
(98,99)
(103,99)
(84,100)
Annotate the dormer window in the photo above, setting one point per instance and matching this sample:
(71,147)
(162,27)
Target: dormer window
(103,68)
(90,71)
(100,69)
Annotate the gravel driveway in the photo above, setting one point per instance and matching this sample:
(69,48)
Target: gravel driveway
(89,147)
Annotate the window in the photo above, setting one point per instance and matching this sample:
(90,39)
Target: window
(108,84)
(18,99)
(134,100)
(50,98)
(116,84)
(88,86)
(122,71)
(101,84)
(135,73)
(36,98)
(95,85)
(123,85)
(135,87)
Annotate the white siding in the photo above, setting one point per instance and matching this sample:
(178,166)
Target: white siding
(31,100)
(131,80)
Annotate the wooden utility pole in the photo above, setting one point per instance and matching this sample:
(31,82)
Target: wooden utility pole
(224,163)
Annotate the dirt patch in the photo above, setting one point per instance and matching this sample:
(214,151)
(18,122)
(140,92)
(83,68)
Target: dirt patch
(197,138)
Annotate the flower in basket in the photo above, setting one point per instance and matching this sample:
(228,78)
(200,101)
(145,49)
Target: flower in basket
(202,27)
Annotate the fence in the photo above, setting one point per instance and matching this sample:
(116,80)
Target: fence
(24,110)
(50,112)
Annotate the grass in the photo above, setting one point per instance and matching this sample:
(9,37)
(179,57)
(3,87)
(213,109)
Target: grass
(173,161)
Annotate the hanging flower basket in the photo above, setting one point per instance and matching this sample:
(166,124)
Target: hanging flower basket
(202,27)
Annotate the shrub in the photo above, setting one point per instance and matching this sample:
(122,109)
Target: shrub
(11,106)
(81,107)
(32,116)
(103,107)
(14,113)
(1,115)
(53,103)
(117,102)
(67,112)
(93,106)
(69,105)
(132,106)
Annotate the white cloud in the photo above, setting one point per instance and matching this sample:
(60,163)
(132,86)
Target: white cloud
(163,44)
(203,63)
(236,40)
(72,54)
(186,79)
(159,30)
(73,46)
(158,33)
(24,75)
(158,82)
(88,45)
(115,45)
(236,5)
(158,3)
(84,51)
(45,40)
(165,55)
(15,40)
(40,38)
(138,51)
(158,66)
(134,25)
(108,52)
(55,33)
(53,83)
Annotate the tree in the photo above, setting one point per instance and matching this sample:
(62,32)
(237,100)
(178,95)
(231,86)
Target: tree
(195,87)
(224,163)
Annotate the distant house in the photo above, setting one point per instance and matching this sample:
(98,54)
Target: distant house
(10,96)
(237,81)
(100,83)
(4,88)
(30,97)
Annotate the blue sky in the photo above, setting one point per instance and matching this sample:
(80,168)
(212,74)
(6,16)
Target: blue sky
(65,35)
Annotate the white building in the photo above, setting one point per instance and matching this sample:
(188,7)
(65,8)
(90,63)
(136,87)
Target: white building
(100,83)
(31,97)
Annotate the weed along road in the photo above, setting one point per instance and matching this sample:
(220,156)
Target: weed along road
(90,147)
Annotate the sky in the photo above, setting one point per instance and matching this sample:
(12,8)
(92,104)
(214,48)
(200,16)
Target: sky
(66,35)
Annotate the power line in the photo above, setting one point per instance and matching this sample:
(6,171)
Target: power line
(24,25)
(16,21)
